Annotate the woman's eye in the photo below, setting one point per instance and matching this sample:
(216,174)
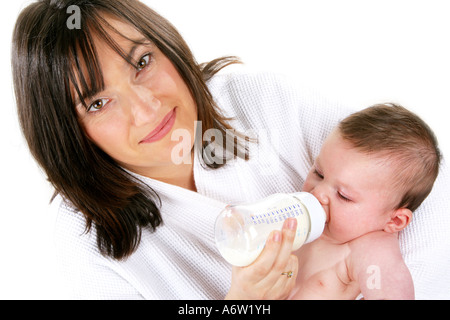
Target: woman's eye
(143,62)
(97,105)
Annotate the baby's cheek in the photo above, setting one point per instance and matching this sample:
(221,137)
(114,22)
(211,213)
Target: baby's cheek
(309,184)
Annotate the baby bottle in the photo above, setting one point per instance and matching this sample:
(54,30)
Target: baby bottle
(241,231)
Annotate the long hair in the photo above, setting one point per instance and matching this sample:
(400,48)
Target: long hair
(47,62)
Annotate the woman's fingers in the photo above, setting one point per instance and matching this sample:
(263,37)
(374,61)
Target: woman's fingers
(264,278)
(265,261)
(278,248)
(282,261)
(288,231)
(287,280)
(278,265)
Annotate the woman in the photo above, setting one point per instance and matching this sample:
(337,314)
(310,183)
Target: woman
(96,105)
(144,147)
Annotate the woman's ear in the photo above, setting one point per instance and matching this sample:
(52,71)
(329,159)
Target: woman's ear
(400,218)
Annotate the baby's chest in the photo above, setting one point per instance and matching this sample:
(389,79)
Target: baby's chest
(323,273)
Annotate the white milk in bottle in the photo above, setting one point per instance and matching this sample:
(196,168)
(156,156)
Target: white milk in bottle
(241,231)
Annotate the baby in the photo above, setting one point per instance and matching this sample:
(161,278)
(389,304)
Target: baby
(372,172)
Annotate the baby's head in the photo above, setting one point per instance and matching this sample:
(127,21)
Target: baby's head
(373,171)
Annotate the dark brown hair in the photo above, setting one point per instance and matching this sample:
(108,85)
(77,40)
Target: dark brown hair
(402,138)
(51,63)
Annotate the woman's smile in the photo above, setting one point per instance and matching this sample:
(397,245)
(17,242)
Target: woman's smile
(140,104)
(162,129)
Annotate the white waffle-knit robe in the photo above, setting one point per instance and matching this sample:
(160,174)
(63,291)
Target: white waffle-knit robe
(180,261)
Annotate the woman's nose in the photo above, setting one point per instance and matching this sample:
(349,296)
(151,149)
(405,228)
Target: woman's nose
(144,107)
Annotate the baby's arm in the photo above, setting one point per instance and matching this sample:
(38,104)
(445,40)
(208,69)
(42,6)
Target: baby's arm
(377,265)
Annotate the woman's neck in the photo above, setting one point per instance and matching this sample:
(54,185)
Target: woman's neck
(181,175)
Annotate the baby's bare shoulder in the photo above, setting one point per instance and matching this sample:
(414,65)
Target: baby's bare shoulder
(377,240)
(377,256)
(375,248)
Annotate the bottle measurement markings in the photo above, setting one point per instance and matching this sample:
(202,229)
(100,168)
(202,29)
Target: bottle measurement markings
(275,216)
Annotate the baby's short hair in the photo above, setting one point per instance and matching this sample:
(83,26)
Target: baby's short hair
(392,132)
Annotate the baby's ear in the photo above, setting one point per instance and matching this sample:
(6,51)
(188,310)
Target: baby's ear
(400,218)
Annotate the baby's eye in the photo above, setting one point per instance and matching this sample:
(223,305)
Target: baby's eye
(343,197)
(143,62)
(318,174)
(97,105)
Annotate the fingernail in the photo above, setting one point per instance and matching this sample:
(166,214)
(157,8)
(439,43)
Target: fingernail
(292,224)
(276,236)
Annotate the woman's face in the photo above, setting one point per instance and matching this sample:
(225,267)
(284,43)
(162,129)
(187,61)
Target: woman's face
(133,118)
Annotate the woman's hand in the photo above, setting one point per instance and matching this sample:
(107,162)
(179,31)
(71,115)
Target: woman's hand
(263,279)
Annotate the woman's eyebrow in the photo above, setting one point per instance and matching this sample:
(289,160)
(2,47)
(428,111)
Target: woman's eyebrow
(137,43)
(89,95)
(133,49)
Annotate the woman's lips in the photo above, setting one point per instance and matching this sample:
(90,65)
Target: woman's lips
(162,129)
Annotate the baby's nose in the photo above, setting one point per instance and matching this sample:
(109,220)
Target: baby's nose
(320,195)
(324,202)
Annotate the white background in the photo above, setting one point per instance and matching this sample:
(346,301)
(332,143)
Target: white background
(357,52)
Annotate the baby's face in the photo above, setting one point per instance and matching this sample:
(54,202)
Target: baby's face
(354,189)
